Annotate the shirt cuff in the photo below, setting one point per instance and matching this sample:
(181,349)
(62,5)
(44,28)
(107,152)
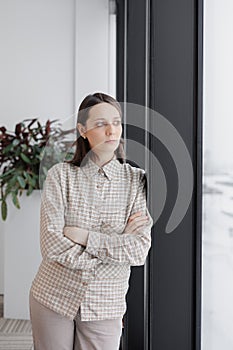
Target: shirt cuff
(93,245)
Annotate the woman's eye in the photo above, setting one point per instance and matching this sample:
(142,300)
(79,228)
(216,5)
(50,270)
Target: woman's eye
(115,123)
(100,124)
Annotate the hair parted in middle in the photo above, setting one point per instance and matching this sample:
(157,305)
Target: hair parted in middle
(83,149)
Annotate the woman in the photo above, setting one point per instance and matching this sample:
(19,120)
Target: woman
(94,225)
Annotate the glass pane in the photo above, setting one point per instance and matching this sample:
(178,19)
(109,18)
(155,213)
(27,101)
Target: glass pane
(217,246)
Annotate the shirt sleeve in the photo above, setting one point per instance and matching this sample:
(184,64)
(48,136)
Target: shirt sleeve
(54,245)
(125,248)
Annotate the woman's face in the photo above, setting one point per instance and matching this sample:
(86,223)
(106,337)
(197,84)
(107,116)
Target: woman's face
(103,128)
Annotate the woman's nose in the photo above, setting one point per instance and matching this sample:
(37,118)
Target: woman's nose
(110,128)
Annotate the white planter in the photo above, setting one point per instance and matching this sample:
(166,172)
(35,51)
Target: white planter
(21,254)
(1,259)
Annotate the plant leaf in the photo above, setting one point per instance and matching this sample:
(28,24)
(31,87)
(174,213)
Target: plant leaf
(45,170)
(21,181)
(18,128)
(25,158)
(7,173)
(7,148)
(15,142)
(29,191)
(15,200)
(4,210)
(32,122)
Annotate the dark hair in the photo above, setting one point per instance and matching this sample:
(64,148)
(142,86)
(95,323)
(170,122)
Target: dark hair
(83,149)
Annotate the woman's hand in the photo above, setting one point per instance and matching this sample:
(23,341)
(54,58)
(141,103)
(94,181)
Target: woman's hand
(76,234)
(80,235)
(135,222)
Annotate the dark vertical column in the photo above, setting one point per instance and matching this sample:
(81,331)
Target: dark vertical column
(131,68)
(175,91)
(175,87)
(121,49)
(199,180)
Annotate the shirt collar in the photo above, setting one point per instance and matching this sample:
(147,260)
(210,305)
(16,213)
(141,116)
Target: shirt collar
(110,169)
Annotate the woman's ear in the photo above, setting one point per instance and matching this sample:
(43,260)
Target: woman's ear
(82,130)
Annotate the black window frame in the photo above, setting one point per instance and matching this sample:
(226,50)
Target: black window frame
(153,37)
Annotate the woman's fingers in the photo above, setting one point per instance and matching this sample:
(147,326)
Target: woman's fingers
(136,223)
(135,215)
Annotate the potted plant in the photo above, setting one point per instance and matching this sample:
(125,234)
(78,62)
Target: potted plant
(26,155)
(21,154)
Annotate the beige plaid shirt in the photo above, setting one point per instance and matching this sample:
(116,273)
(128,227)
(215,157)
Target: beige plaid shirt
(93,279)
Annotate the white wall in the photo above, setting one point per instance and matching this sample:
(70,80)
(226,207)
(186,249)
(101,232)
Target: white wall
(53,53)
(22,258)
(1,260)
(91,49)
(36,59)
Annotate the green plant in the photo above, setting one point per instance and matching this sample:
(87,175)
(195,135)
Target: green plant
(21,155)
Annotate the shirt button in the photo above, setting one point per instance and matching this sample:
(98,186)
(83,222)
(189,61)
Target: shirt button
(85,284)
(102,255)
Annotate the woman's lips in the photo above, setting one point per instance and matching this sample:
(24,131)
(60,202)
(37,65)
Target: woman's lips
(111,141)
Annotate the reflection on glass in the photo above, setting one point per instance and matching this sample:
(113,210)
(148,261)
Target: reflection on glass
(217,244)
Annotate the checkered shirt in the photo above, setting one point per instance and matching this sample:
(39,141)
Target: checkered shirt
(91,280)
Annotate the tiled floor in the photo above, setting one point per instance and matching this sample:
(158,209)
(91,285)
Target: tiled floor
(14,334)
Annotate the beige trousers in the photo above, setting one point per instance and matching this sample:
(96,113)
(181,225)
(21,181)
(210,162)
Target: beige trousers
(52,331)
